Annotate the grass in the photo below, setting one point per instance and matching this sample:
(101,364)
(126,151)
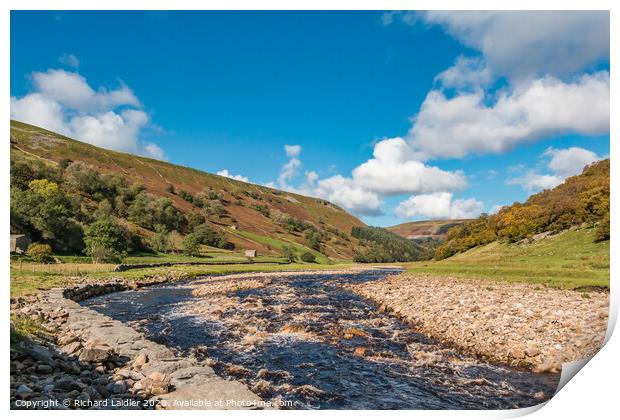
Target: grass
(279,243)
(26,283)
(209,257)
(25,329)
(568,260)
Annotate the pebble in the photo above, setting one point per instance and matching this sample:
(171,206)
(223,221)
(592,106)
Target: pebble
(501,322)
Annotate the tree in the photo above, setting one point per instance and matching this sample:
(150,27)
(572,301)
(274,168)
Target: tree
(160,242)
(288,253)
(314,238)
(106,241)
(308,257)
(175,241)
(208,236)
(191,245)
(40,252)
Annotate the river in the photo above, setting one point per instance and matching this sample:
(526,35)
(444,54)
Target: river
(307,341)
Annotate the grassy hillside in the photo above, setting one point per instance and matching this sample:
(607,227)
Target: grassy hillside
(569,259)
(581,200)
(435,229)
(250,216)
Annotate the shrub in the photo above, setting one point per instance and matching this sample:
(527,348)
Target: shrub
(40,252)
(186,196)
(208,236)
(160,241)
(170,188)
(261,208)
(314,238)
(307,257)
(191,245)
(288,253)
(106,241)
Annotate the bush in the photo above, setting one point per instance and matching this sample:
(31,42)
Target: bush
(40,252)
(208,236)
(261,208)
(314,238)
(307,257)
(288,253)
(160,242)
(106,241)
(191,245)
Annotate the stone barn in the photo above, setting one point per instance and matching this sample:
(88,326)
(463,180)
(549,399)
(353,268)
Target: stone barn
(250,253)
(19,243)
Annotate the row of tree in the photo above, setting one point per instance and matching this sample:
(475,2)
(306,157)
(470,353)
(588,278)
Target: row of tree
(380,245)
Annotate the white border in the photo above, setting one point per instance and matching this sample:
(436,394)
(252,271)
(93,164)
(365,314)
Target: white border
(592,394)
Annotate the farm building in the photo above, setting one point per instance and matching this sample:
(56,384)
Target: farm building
(19,243)
(250,253)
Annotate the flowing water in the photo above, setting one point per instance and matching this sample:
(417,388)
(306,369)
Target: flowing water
(308,341)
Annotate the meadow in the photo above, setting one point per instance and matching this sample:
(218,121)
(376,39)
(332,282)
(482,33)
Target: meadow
(568,260)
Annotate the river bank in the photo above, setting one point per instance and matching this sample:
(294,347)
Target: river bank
(525,325)
(83,359)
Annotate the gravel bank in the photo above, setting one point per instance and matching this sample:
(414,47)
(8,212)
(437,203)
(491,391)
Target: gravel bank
(524,325)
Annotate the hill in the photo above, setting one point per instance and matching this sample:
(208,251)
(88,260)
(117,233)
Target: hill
(426,229)
(145,194)
(580,201)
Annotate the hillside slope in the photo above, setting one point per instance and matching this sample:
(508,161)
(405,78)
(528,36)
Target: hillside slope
(569,259)
(435,229)
(580,201)
(251,216)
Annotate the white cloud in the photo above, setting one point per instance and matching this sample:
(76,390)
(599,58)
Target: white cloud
(69,60)
(72,91)
(466,73)
(38,110)
(346,193)
(439,206)
(562,163)
(533,181)
(466,123)
(227,174)
(571,161)
(393,170)
(292,150)
(522,44)
(64,102)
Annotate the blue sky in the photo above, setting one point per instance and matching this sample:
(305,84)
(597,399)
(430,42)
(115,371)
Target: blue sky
(228,90)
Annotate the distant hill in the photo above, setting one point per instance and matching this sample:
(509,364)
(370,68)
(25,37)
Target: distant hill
(249,215)
(433,229)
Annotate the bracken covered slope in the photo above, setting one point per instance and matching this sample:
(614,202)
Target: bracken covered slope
(251,215)
(436,229)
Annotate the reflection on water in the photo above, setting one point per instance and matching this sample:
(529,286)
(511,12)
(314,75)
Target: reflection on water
(307,340)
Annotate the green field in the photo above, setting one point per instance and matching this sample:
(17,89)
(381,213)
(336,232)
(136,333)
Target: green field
(568,260)
(25,283)
(279,243)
